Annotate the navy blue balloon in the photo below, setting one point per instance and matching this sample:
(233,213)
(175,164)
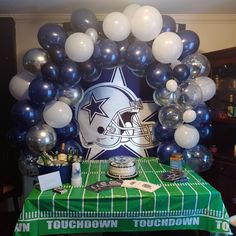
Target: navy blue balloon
(106,53)
(181,72)
(166,149)
(25,113)
(204,115)
(138,56)
(51,34)
(169,24)
(158,74)
(122,48)
(57,54)
(69,74)
(50,71)
(69,144)
(83,19)
(190,42)
(90,71)
(16,136)
(42,91)
(68,132)
(163,134)
(205,132)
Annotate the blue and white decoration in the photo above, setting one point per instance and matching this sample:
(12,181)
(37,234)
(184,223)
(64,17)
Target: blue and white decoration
(134,86)
(117,116)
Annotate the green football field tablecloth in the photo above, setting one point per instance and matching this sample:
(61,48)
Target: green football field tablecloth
(193,205)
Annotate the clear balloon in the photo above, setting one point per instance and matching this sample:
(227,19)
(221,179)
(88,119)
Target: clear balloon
(106,53)
(170,116)
(166,149)
(162,96)
(188,94)
(158,74)
(79,47)
(207,86)
(198,158)
(40,138)
(146,23)
(167,47)
(198,64)
(69,74)
(68,132)
(34,58)
(71,96)
(57,114)
(138,56)
(19,85)
(83,19)
(50,71)
(42,91)
(27,164)
(25,113)
(190,41)
(116,26)
(186,136)
(51,34)
(169,24)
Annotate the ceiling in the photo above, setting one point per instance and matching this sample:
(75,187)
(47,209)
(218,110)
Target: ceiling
(107,6)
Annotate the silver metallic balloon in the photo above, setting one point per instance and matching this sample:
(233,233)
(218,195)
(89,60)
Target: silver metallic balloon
(41,138)
(72,96)
(34,59)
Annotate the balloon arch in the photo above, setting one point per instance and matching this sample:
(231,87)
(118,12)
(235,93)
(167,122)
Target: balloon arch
(141,39)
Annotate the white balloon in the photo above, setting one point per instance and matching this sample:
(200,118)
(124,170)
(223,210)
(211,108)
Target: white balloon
(171,85)
(186,136)
(92,33)
(116,26)
(207,86)
(189,116)
(146,23)
(167,47)
(79,47)
(57,114)
(130,10)
(19,85)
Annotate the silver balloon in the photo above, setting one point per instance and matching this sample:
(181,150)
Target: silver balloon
(34,59)
(41,138)
(198,64)
(162,96)
(27,164)
(72,96)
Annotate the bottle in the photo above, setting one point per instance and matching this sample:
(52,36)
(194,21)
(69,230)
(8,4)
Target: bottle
(62,155)
(217,81)
(230,106)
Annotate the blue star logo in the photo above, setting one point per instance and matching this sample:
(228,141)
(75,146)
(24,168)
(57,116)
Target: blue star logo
(94,107)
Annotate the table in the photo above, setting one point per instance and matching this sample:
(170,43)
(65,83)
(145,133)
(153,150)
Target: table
(194,205)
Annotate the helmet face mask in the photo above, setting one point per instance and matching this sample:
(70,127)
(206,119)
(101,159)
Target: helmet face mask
(109,117)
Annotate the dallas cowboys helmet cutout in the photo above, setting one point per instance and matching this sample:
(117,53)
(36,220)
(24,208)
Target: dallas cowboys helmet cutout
(109,117)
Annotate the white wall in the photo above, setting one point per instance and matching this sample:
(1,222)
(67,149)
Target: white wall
(215,31)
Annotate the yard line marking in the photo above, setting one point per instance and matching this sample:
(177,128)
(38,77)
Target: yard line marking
(68,200)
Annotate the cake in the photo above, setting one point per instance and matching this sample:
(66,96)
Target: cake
(122,167)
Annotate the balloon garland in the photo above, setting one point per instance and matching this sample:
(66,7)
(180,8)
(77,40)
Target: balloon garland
(139,37)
